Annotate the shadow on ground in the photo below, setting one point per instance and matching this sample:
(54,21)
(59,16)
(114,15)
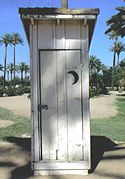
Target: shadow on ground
(22,172)
(99,145)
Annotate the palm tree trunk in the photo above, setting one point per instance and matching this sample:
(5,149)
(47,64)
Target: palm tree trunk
(22,78)
(11,78)
(7,75)
(14,62)
(113,69)
(118,59)
(5,61)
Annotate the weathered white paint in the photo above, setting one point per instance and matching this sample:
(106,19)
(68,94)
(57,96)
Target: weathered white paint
(61,172)
(45,35)
(85,95)
(56,165)
(62,17)
(72,34)
(34,93)
(59,43)
(49,98)
(62,133)
(63,118)
(74,113)
(60,35)
(62,107)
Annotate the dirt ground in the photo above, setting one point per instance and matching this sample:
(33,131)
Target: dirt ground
(19,105)
(108,158)
(103,106)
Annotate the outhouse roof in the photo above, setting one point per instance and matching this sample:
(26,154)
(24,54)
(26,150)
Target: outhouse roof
(55,11)
(29,14)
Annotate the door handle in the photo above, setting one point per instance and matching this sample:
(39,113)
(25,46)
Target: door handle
(44,107)
(40,106)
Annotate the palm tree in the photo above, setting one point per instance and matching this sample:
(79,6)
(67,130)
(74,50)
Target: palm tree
(26,69)
(1,67)
(117,22)
(15,40)
(22,69)
(113,49)
(5,40)
(8,73)
(11,69)
(122,64)
(117,48)
(95,67)
(95,63)
(120,47)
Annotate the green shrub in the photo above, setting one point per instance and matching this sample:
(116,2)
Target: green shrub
(26,89)
(92,92)
(97,91)
(1,92)
(103,90)
(19,91)
(10,91)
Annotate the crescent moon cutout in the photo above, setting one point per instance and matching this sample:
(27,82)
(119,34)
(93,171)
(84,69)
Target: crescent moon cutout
(75,75)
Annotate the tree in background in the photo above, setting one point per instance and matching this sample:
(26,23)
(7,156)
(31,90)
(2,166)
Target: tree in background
(99,76)
(95,67)
(22,69)
(119,47)
(116,28)
(5,40)
(26,70)
(1,67)
(15,40)
(117,22)
(122,80)
(11,69)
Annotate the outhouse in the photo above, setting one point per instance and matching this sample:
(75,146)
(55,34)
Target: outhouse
(59,43)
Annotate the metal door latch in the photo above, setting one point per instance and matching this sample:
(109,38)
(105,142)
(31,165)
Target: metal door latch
(40,106)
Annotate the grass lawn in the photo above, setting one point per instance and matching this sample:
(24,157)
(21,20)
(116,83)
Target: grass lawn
(113,127)
(20,126)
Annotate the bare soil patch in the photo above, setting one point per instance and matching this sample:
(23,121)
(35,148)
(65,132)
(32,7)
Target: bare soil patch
(19,105)
(103,106)
(5,123)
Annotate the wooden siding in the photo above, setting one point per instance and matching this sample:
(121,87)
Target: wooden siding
(65,134)
(66,35)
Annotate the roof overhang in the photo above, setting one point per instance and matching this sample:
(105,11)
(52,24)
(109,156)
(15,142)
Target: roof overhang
(28,15)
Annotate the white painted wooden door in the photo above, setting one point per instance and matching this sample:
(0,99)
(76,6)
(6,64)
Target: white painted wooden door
(61,113)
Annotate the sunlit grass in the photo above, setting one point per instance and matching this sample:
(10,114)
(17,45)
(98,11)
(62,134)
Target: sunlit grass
(21,125)
(113,127)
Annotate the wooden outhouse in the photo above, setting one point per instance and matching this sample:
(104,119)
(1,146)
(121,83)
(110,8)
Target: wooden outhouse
(59,43)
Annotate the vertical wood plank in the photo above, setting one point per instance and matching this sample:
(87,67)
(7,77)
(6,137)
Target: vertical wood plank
(45,35)
(62,116)
(85,94)
(72,34)
(49,98)
(74,106)
(34,92)
(60,36)
(31,89)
